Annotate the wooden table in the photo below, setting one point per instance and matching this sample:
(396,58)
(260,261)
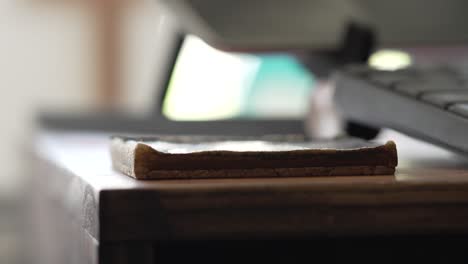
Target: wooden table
(88,213)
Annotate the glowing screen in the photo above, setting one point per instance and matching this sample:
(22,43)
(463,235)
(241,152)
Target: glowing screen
(208,84)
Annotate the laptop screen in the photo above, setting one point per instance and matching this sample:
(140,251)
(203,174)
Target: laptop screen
(208,84)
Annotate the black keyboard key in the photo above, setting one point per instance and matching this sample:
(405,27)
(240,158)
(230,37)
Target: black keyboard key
(386,81)
(389,78)
(446,98)
(442,71)
(461,108)
(461,72)
(417,87)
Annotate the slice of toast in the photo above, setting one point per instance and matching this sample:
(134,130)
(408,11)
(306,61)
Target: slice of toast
(188,158)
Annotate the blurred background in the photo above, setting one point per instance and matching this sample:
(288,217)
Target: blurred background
(70,56)
(64,56)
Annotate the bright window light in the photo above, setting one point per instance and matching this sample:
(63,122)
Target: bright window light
(209,84)
(390,60)
(195,95)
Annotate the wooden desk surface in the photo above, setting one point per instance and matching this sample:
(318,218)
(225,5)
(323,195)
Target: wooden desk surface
(428,195)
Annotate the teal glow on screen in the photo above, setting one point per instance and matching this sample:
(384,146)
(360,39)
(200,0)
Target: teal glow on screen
(208,84)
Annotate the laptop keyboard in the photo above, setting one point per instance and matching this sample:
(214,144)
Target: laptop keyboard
(442,87)
(428,103)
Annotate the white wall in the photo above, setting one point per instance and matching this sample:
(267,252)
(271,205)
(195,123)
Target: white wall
(47,62)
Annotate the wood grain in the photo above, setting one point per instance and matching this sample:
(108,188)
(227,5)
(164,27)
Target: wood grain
(427,195)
